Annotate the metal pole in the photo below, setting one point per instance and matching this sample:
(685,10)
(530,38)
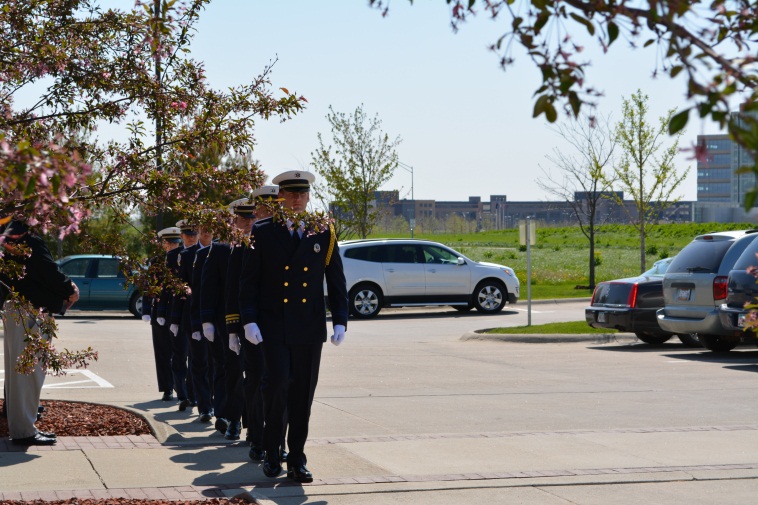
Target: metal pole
(413,199)
(528,272)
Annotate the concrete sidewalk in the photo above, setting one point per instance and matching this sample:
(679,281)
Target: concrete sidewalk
(443,421)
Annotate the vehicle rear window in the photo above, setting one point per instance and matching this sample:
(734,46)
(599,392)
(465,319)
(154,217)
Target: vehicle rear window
(748,257)
(612,294)
(700,256)
(373,253)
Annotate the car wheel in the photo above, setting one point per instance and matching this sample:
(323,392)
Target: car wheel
(690,339)
(365,301)
(652,338)
(135,304)
(489,297)
(462,308)
(718,344)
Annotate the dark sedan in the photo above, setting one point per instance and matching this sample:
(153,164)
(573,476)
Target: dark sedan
(630,305)
(101,283)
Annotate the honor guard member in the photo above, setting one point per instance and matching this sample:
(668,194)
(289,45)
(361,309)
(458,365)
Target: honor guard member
(282,308)
(179,321)
(208,379)
(212,315)
(180,311)
(171,243)
(246,213)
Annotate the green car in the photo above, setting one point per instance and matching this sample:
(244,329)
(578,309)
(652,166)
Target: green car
(101,283)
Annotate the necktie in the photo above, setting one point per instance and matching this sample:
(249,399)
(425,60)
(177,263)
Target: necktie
(295,238)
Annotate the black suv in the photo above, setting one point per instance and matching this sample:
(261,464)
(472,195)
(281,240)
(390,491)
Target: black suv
(741,289)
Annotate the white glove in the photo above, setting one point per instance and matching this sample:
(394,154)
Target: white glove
(161,320)
(253,333)
(209,331)
(234,343)
(146,318)
(196,336)
(174,328)
(339,334)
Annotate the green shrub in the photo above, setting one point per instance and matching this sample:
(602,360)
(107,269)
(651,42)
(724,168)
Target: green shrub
(651,250)
(598,258)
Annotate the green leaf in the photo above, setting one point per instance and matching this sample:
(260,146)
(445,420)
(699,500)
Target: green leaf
(586,22)
(613,32)
(750,199)
(679,121)
(539,106)
(675,70)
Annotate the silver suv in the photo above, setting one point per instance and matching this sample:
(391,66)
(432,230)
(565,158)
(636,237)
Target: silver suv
(406,272)
(695,285)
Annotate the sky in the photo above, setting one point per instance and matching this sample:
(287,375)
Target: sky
(466,125)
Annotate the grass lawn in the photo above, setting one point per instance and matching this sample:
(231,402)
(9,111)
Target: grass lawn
(571,328)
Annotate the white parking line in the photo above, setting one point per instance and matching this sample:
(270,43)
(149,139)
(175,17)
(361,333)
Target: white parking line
(91,380)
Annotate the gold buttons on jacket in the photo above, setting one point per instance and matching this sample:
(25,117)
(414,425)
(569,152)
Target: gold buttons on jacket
(305,269)
(285,300)
(304,300)
(305,284)
(287,267)
(286,284)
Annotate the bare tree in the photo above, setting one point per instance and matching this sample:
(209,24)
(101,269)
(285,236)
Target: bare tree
(583,181)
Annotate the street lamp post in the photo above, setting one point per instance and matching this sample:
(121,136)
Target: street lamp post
(409,168)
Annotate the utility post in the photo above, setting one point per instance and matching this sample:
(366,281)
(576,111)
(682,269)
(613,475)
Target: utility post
(409,168)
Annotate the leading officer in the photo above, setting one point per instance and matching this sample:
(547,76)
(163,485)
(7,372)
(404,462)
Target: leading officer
(282,307)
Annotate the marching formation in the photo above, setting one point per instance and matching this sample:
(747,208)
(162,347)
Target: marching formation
(243,342)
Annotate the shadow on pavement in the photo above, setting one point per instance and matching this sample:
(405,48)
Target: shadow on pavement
(432,315)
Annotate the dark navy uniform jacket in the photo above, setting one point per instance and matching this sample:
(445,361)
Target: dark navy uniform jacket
(180,310)
(282,288)
(167,297)
(213,285)
(196,322)
(233,271)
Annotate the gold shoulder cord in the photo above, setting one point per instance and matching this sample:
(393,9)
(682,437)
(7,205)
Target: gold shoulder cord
(331,244)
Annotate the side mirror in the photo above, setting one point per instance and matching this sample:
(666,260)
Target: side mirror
(461,261)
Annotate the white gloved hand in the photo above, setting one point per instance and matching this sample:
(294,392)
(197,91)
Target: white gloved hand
(234,343)
(161,320)
(146,318)
(209,331)
(196,336)
(253,333)
(174,328)
(339,334)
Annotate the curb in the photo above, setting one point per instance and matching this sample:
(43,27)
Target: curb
(523,301)
(162,432)
(555,338)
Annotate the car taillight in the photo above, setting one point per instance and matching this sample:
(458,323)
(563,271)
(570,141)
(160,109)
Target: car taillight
(719,287)
(632,300)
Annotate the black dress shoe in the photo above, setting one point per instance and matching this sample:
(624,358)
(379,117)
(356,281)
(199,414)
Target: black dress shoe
(299,473)
(37,439)
(205,417)
(221,425)
(271,467)
(233,431)
(183,405)
(283,455)
(167,396)
(47,434)
(256,453)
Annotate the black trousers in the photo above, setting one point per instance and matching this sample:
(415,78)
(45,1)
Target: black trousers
(252,363)
(288,391)
(162,351)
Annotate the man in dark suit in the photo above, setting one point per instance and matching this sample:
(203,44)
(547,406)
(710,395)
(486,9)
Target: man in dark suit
(155,311)
(282,306)
(48,290)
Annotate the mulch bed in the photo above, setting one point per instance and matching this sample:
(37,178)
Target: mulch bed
(75,419)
